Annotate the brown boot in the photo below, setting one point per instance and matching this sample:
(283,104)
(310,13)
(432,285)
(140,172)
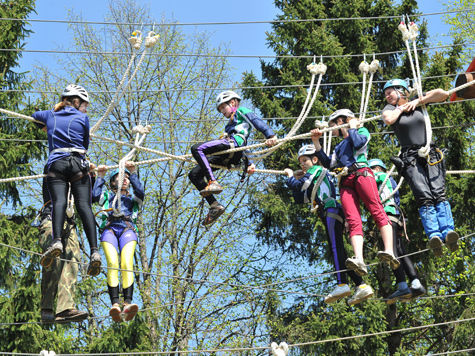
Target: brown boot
(69,315)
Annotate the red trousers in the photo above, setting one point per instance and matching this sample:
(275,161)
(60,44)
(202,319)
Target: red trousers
(356,187)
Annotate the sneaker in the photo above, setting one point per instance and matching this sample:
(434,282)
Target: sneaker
(362,293)
(435,244)
(71,315)
(47,316)
(338,293)
(114,312)
(356,265)
(389,258)
(213,187)
(53,251)
(94,267)
(399,294)
(452,241)
(215,211)
(130,310)
(417,292)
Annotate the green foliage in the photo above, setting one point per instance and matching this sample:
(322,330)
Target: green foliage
(283,224)
(462,26)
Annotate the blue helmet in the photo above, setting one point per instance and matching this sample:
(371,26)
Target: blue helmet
(376,162)
(396,83)
(116,172)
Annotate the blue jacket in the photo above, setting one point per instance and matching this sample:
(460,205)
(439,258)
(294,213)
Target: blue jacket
(66,128)
(352,149)
(240,126)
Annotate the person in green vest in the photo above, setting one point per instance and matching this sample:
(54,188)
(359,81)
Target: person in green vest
(119,234)
(391,203)
(313,185)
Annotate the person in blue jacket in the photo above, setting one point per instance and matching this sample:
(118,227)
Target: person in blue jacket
(391,203)
(313,185)
(67,126)
(119,234)
(357,184)
(237,131)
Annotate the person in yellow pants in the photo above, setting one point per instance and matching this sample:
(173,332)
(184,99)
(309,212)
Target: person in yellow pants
(119,236)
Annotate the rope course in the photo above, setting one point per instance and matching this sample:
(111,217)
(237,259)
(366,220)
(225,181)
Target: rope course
(315,69)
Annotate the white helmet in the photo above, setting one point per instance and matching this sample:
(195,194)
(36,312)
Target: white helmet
(225,96)
(75,90)
(307,150)
(341,112)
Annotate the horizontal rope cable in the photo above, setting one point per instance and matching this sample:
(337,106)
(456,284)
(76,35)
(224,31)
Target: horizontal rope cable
(108,53)
(237,349)
(452,352)
(245,287)
(80,22)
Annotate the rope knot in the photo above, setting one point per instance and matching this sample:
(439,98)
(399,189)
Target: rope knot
(315,68)
(142,129)
(405,32)
(279,350)
(136,39)
(374,66)
(413,31)
(364,67)
(151,39)
(320,124)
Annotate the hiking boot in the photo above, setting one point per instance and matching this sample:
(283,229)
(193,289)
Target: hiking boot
(435,244)
(114,312)
(215,211)
(47,316)
(71,315)
(452,241)
(213,187)
(130,310)
(356,265)
(362,293)
(53,251)
(94,267)
(399,294)
(339,292)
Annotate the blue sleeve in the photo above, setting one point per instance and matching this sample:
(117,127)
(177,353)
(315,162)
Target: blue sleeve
(97,189)
(323,158)
(260,125)
(137,186)
(397,199)
(41,116)
(296,186)
(359,137)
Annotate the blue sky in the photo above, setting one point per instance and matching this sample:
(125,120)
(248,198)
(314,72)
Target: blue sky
(249,39)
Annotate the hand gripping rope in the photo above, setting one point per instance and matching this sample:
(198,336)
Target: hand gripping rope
(141,132)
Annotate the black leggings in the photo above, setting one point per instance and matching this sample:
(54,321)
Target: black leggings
(406,267)
(58,186)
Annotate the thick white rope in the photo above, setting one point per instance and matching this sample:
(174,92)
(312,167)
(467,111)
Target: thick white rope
(386,179)
(314,69)
(411,33)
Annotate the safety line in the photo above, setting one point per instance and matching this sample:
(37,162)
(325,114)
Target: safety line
(287,86)
(165,54)
(451,352)
(77,22)
(245,287)
(236,349)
